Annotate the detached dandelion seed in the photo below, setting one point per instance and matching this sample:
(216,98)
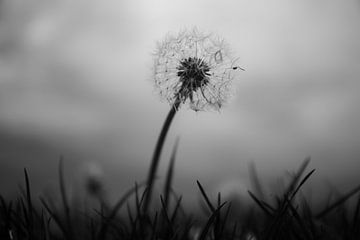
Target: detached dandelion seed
(194,69)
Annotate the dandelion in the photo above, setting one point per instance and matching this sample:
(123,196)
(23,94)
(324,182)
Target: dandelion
(194,69)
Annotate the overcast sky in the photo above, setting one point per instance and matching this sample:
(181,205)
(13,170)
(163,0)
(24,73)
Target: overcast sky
(75,79)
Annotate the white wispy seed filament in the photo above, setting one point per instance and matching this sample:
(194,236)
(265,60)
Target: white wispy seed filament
(195,69)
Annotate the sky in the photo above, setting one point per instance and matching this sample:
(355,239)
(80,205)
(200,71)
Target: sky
(76,80)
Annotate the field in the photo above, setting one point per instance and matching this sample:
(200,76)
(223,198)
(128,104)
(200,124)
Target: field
(286,216)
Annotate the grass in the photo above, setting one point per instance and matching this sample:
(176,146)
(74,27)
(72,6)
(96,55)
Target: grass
(287,215)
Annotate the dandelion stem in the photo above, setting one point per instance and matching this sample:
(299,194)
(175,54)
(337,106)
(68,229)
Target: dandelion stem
(157,153)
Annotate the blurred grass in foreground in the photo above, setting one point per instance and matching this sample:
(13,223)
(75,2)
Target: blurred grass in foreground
(287,215)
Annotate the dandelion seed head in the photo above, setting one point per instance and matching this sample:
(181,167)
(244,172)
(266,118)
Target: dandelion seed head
(195,69)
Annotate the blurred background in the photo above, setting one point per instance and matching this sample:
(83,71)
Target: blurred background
(76,80)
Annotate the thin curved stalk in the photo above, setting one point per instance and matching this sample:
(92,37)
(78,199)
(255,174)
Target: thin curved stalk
(157,153)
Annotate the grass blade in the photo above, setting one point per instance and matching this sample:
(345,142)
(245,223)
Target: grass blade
(209,222)
(30,225)
(297,176)
(258,202)
(113,212)
(302,183)
(300,221)
(255,180)
(154,224)
(338,202)
(169,175)
(170,230)
(64,198)
(55,217)
(356,216)
(212,208)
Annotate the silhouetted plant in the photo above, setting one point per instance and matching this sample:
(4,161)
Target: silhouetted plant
(189,68)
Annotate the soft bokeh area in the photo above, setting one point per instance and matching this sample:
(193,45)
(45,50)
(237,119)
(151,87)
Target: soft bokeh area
(76,80)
